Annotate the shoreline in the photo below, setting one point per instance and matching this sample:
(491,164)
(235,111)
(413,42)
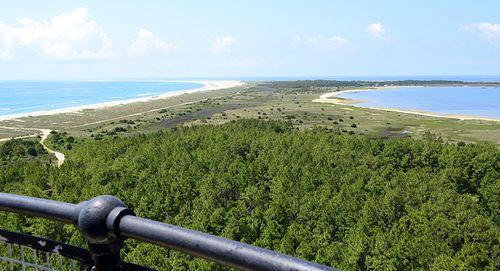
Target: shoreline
(207,86)
(332,98)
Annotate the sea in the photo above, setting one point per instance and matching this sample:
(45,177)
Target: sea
(18,97)
(23,97)
(468,101)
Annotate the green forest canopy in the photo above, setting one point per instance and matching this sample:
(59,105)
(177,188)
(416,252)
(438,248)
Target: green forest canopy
(345,201)
(19,150)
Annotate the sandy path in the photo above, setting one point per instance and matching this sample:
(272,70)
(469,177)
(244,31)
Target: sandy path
(59,155)
(44,133)
(142,113)
(18,137)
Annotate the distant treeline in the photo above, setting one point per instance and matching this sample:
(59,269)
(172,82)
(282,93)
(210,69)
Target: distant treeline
(307,84)
(345,201)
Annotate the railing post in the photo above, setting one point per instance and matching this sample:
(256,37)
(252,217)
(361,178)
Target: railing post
(98,220)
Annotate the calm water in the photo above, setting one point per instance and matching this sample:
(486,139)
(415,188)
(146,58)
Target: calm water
(30,96)
(471,101)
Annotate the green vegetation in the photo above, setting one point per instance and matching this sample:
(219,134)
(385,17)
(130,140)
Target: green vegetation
(312,84)
(61,141)
(17,150)
(284,101)
(354,188)
(343,200)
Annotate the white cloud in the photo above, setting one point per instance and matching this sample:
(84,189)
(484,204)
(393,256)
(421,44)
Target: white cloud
(488,31)
(333,42)
(69,36)
(338,41)
(221,44)
(147,41)
(296,39)
(377,31)
(315,40)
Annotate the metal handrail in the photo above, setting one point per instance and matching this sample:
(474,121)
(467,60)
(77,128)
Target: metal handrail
(105,222)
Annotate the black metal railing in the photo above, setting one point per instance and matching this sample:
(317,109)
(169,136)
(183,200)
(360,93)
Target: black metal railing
(106,222)
(23,251)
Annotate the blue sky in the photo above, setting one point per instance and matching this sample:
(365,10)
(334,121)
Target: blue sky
(171,39)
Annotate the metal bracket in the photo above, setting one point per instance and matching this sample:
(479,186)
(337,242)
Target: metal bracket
(98,220)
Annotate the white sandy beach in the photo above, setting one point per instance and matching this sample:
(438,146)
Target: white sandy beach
(332,98)
(208,85)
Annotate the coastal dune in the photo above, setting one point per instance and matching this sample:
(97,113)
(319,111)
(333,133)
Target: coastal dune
(207,86)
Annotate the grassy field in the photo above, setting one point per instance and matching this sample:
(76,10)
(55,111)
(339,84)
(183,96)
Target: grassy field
(80,123)
(299,109)
(255,101)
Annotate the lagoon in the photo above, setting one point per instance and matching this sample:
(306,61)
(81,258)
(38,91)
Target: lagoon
(481,102)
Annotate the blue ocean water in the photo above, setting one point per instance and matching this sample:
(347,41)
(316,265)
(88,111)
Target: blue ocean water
(29,96)
(470,101)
